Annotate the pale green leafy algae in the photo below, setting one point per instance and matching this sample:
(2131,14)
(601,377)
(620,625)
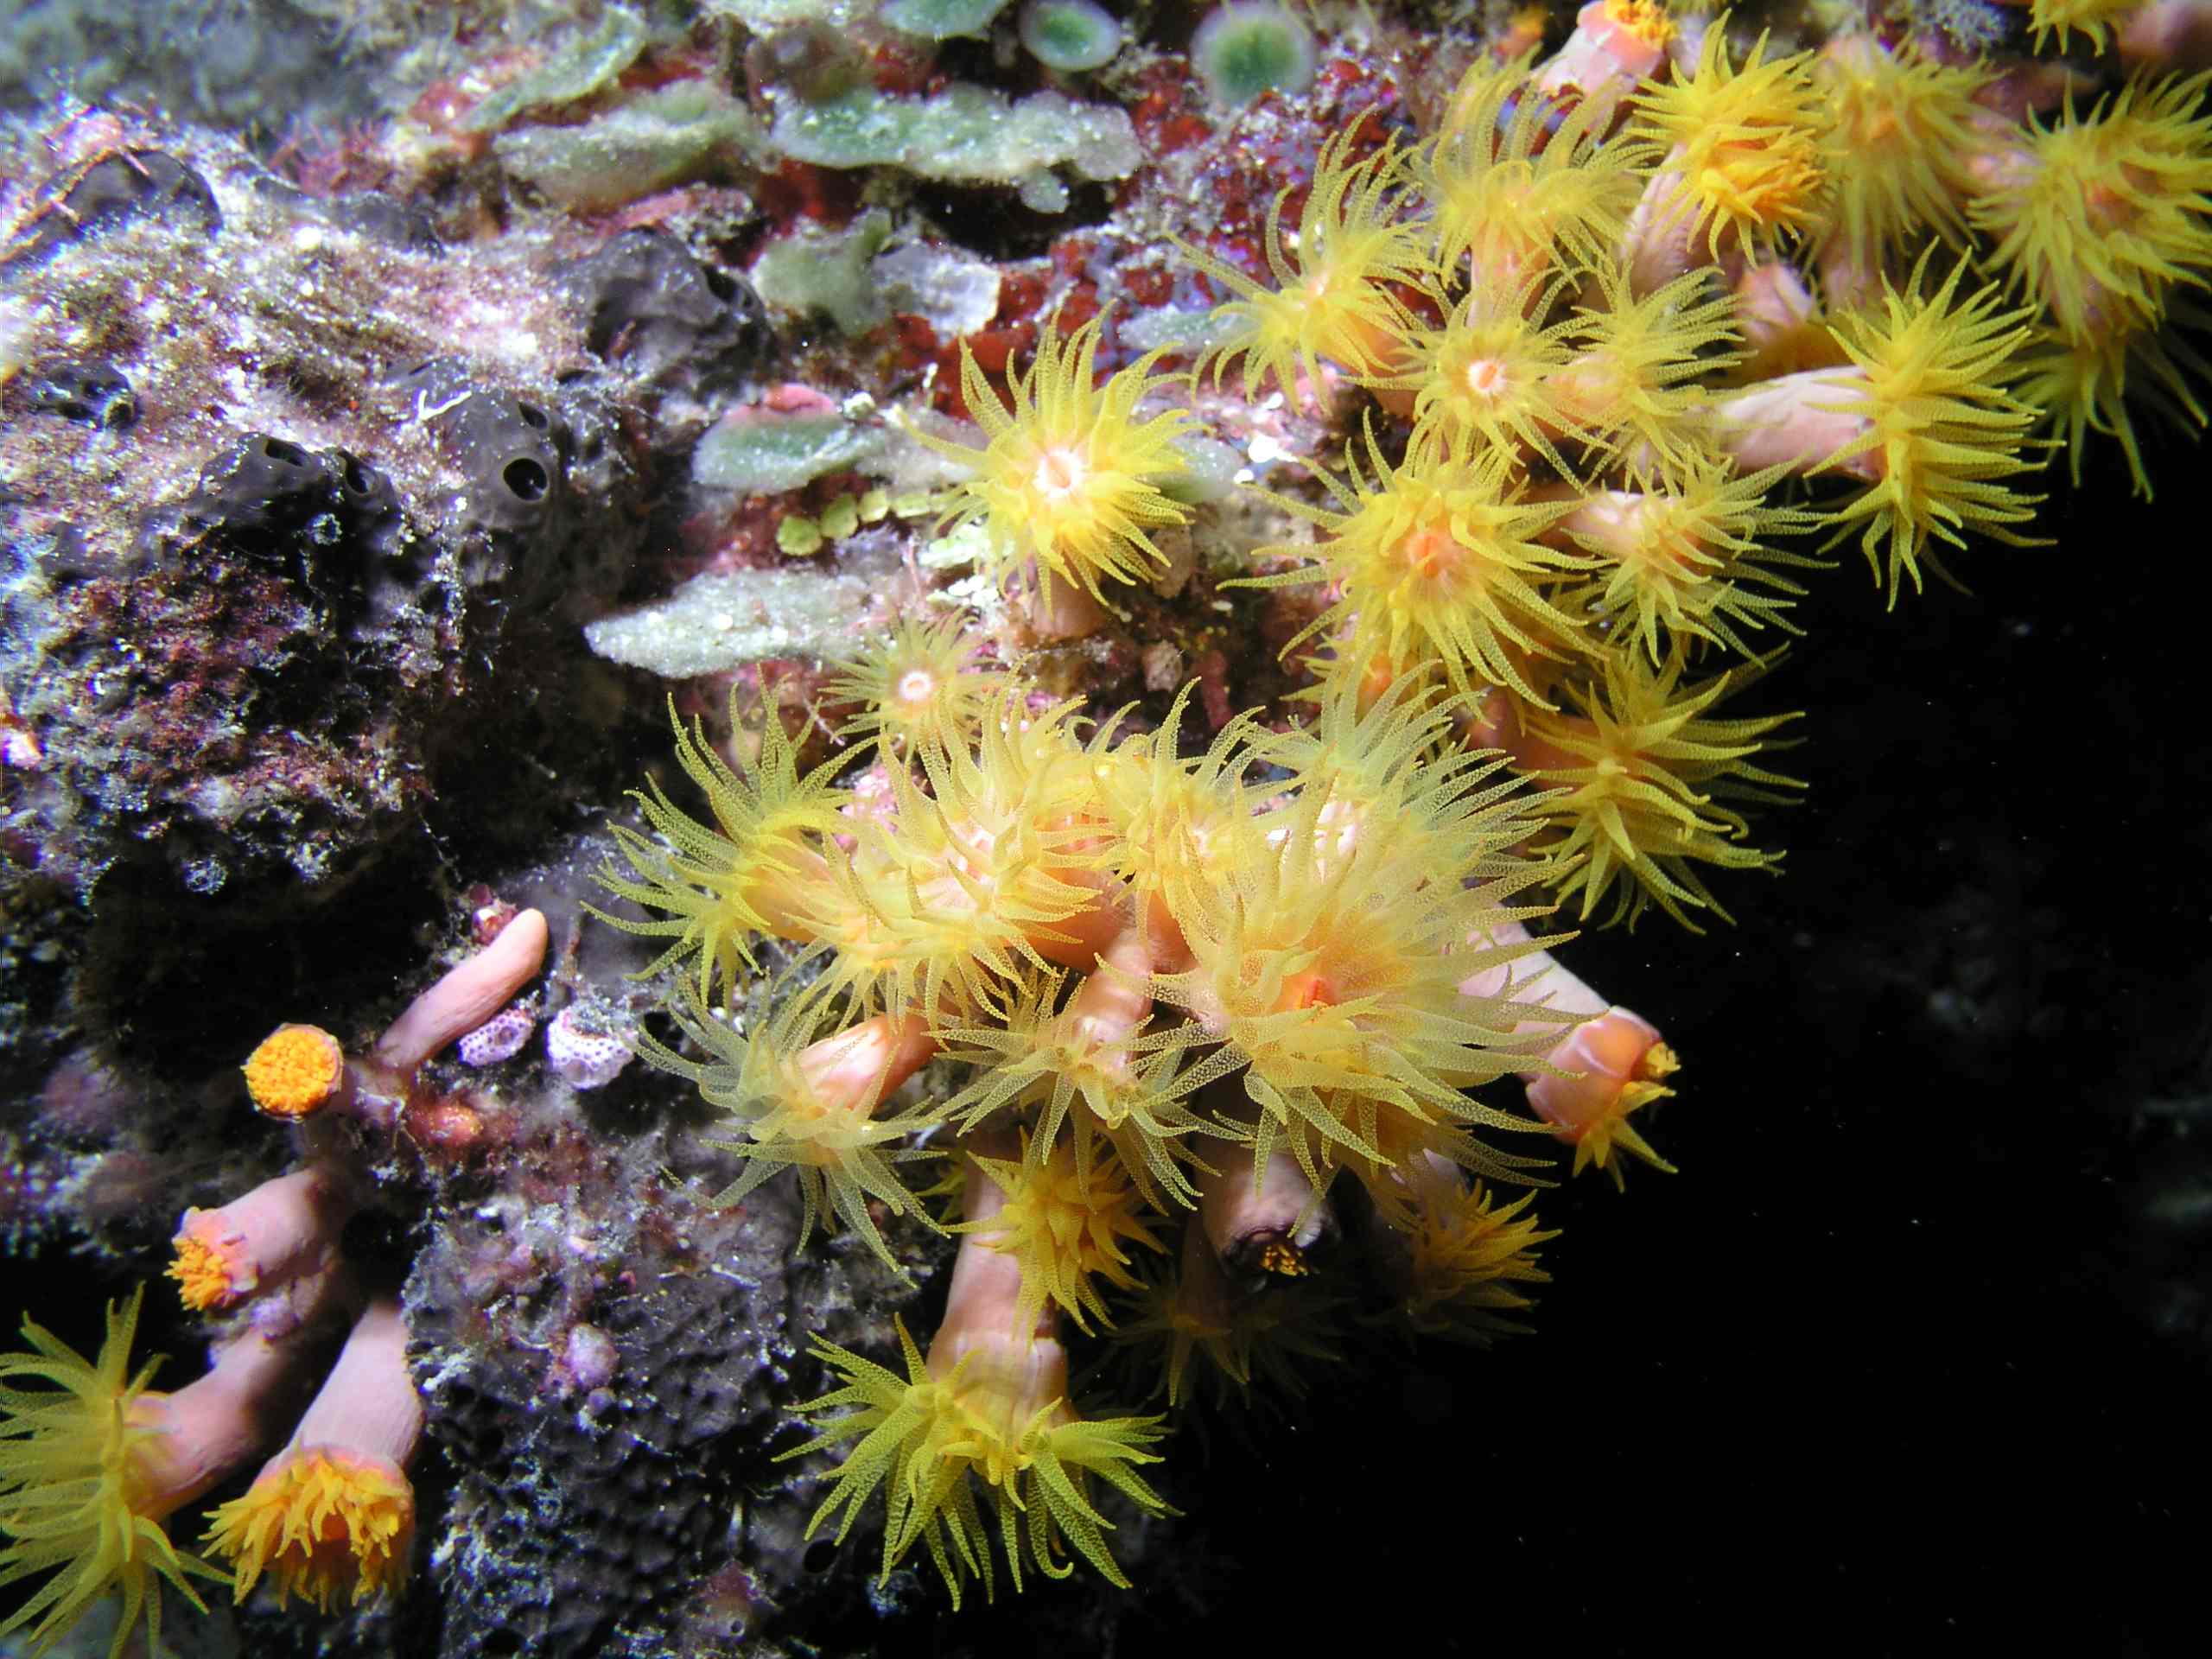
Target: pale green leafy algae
(1191,333)
(766,454)
(828,272)
(655,140)
(584,67)
(940,20)
(1251,46)
(962,135)
(955,293)
(767,17)
(715,623)
(1069,35)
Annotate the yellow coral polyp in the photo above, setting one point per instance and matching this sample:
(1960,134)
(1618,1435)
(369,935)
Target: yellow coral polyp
(1909,125)
(1438,561)
(1066,1227)
(1749,150)
(1518,188)
(1127,1091)
(992,870)
(1482,378)
(295,1071)
(2102,217)
(77,1494)
(1637,781)
(324,1524)
(796,1106)
(1332,296)
(1468,1255)
(2093,18)
(1331,975)
(994,1412)
(1069,479)
(917,686)
(1943,433)
(1685,555)
(748,872)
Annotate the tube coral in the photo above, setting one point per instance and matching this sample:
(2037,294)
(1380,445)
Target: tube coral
(1068,479)
(82,1492)
(746,873)
(335,1511)
(1333,294)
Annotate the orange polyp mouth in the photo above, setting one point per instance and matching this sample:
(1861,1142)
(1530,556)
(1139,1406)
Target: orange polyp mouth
(1429,551)
(1306,991)
(1060,472)
(1485,378)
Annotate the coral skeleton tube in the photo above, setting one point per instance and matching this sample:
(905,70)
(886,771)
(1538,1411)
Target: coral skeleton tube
(1616,45)
(300,1071)
(2168,35)
(985,1294)
(1802,420)
(333,1511)
(1609,1064)
(281,1230)
(467,996)
(215,1423)
(1266,1223)
(855,1068)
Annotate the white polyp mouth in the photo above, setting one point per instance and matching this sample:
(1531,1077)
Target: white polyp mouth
(1485,378)
(915,686)
(1060,474)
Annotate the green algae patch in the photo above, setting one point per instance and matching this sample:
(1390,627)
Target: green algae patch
(656,140)
(940,20)
(762,452)
(715,623)
(964,134)
(585,67)
(826,272)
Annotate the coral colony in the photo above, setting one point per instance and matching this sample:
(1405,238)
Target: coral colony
(1201,1035)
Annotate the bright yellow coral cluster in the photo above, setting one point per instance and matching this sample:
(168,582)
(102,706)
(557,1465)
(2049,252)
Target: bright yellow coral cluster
(1602,348)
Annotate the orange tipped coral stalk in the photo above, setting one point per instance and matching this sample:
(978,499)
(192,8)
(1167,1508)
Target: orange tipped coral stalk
(333,1512)
(1610,1063)
(1616,46)
(298,1072)
(1609,1067)
(282,1229)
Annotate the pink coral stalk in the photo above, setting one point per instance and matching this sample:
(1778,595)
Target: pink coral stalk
(334,1510)
(282,1229)
(1611,1063)
(1266,1226)
(215,1424)
(467,996)
(1800,421)
(1616,46)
